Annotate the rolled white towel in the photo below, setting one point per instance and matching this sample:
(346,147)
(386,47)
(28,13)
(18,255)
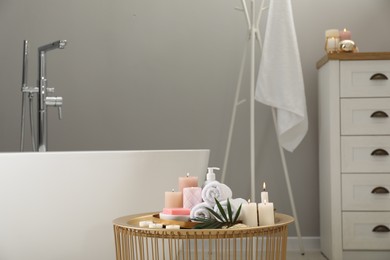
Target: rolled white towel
(200,211)
(234,204)
(216,190)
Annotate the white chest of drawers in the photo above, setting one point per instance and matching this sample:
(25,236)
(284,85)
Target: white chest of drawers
(354,155)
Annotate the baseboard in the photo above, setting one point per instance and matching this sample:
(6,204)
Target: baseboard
(309,244)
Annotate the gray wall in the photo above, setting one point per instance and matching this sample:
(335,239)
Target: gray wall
(141,74)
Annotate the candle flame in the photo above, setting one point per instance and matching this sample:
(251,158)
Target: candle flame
(188,174)
(173,190)
(264,186)
(249,200)
(345,29)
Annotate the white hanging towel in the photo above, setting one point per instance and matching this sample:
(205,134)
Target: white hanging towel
(280,80)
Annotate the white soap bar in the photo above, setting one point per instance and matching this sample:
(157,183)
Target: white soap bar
(172,227)
(145,223)
(155,225)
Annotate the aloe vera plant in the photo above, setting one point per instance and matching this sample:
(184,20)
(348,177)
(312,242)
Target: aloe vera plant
(222,219)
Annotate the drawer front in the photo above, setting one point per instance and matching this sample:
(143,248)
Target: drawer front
(365,154)
(366,192)
(366,230)
(365,116)
(365,78)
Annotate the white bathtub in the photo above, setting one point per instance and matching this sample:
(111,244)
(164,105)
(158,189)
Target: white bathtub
(60,205)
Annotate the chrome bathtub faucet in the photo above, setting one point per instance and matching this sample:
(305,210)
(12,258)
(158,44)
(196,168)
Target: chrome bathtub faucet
(44,100)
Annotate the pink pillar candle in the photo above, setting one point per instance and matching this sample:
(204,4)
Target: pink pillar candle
(192,196)
(187,181)
(173,199)
(345,35)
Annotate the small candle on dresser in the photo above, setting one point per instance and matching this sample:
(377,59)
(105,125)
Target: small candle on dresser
(332,39)
(345,35)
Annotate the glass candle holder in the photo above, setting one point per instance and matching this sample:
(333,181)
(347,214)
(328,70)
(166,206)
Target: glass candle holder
(332,40)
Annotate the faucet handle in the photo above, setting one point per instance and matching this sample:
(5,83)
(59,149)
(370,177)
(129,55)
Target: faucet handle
(55,102)
(60,112)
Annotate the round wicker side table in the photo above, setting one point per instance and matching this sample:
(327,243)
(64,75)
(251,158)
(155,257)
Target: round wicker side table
(252,243)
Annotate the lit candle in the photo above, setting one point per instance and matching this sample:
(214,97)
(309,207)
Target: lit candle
(266,213)
(173,199)
(332,40)
(345,35)
(332,33)
(332,44)
(264,193)
(187,181)
(249,214)
(192,196)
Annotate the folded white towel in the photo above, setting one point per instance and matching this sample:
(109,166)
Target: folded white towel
(234,204)
(216,190)
(200,211)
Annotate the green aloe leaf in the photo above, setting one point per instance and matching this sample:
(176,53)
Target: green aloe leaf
(215,214)
(222,211)
(230,212)
(237,214)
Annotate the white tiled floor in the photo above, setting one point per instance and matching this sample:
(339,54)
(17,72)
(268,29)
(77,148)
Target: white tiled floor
(307,256)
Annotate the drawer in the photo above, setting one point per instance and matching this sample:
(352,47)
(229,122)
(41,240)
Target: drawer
(366,192)
(365,154)
(357,78)
(366,230)
(365,116)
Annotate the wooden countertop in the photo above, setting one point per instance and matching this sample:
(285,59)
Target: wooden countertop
(353,56)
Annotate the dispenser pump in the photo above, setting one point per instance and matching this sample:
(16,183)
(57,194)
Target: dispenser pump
(210,176)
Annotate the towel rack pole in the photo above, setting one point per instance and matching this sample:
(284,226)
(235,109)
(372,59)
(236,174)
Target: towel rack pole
(254,33)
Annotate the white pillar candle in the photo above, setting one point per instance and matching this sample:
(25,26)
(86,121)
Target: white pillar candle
(192,196)
(266,213)
(249,214)
(264,193)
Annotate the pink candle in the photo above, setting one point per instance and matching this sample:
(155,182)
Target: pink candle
(173,199)
(345,35)
(188,181)
(192,196)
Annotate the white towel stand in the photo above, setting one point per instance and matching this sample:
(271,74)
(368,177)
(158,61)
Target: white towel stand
(254,34)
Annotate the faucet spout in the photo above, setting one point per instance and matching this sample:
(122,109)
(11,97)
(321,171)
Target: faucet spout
(54,45)
(43,101)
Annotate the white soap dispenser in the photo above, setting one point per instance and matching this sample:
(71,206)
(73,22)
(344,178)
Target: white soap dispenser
(210,176)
